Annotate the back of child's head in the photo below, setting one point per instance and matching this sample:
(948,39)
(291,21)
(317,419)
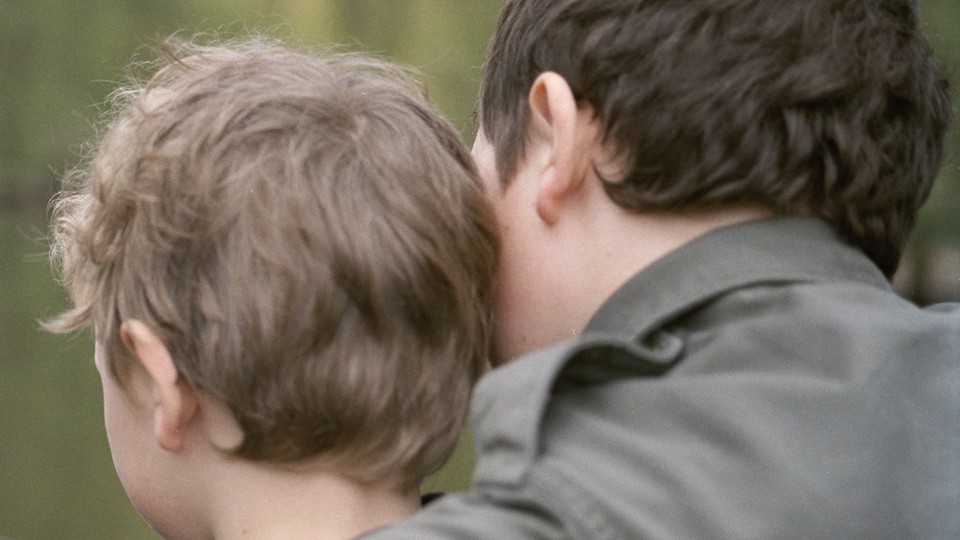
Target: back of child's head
(309,238)
(834,108)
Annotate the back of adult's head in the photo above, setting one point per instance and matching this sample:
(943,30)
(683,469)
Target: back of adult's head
(309,238)
(833,108)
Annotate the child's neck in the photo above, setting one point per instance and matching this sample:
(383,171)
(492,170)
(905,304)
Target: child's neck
(268,502)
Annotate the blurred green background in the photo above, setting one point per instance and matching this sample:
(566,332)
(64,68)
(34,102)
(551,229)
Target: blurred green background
(58,61)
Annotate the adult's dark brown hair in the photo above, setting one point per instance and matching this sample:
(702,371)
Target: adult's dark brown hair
(833,108)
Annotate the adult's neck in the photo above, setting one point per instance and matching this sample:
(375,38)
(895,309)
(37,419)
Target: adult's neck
(591,260)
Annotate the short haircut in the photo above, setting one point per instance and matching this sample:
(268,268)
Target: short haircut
(309,237)
(834,108)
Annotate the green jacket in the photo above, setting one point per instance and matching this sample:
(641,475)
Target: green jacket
(763,381)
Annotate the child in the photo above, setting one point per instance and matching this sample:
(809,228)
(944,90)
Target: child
(286,260)
(702,202)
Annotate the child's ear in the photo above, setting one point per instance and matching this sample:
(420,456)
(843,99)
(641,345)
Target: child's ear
(174,399)
(567,133)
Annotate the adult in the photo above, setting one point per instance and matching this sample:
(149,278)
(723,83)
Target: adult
(701,203)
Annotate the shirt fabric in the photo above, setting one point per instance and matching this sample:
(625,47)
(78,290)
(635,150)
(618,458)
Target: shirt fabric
(762,381)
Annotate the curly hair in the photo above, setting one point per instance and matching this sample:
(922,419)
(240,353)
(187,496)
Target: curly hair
(307,235)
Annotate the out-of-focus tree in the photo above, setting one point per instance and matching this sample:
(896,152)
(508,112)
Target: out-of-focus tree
(931,270)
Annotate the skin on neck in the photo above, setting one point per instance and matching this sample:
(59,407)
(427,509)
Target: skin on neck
(622,245)
(582,262)
(252,499)
(261,501)
(566,246)
(170,442)
(234,497)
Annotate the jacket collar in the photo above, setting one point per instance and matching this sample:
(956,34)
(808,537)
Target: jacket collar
(510,402)
(782,249)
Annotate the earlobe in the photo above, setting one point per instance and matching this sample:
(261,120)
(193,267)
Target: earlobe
(174,399)
(563,131)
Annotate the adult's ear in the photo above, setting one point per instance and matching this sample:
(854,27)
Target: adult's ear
(174,400)
(566,132)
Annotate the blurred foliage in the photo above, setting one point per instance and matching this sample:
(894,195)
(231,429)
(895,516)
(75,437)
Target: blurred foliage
(931,272)
(58,61)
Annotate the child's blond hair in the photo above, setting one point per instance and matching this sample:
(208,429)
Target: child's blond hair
(307,235)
